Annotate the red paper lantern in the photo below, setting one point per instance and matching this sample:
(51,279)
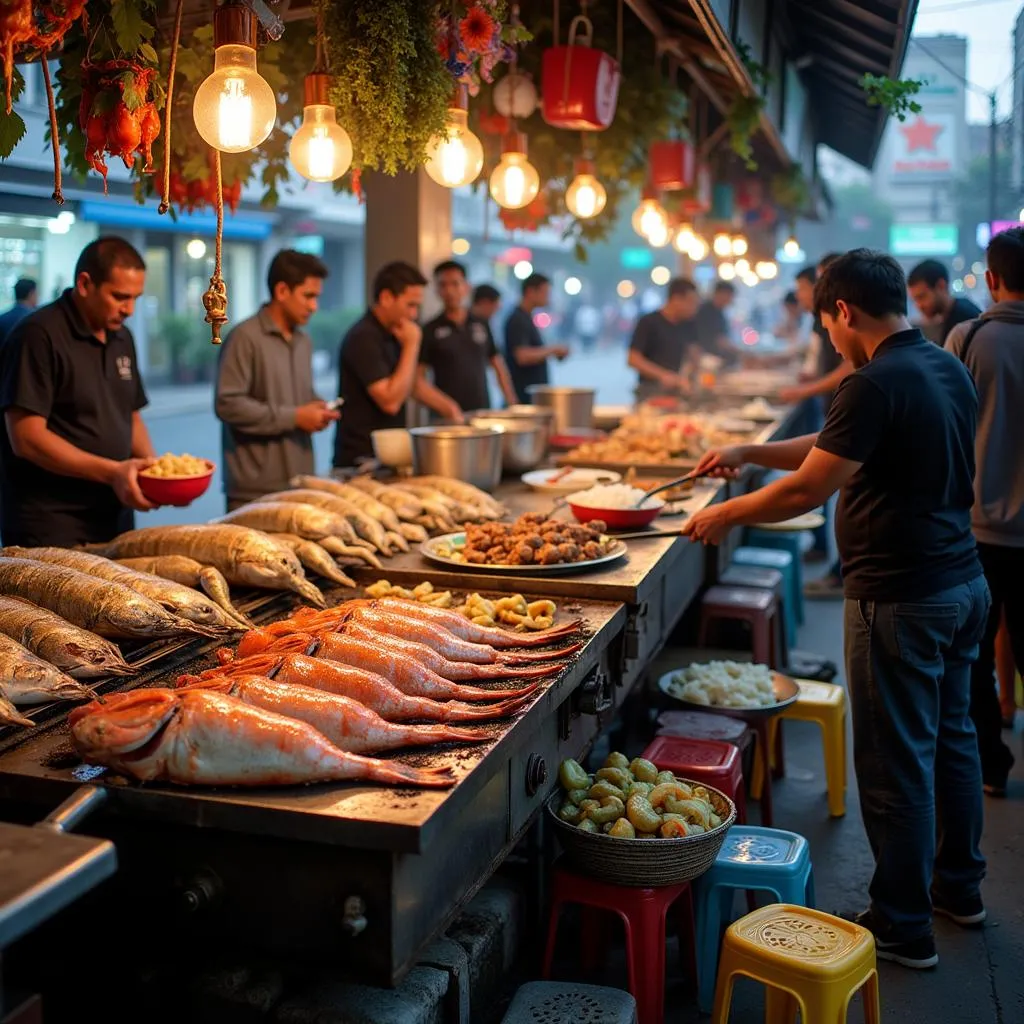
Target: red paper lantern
(672,165)
(579,85)
(697,200)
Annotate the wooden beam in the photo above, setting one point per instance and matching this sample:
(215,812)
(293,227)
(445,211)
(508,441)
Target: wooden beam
(845,30)
(865,17)
(852,57)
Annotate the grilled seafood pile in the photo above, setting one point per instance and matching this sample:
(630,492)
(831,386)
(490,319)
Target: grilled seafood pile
(532,539)
(646,440)
(633,800)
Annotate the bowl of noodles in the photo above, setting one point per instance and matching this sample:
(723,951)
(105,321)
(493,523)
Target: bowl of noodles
(176,479)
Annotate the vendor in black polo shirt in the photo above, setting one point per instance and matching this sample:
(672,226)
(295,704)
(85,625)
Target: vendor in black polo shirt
(377,366)
(458,346)
(899,443)
(662,341)
(71,395)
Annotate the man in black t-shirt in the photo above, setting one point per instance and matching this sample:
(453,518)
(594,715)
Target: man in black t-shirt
(712,327)
(899,442)
(525,351)
(377,366)
(662,341)
(72,399)
(928,284)
(458,347)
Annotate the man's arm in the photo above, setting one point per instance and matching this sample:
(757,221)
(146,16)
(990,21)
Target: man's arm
(784,455)
(142,444)
(531,355)
(652,371)
(434,398)
(391,393)
(500,368)
(822,386)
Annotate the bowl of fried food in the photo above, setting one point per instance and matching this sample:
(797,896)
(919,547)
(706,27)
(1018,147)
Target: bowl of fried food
(630,824)
(176,479)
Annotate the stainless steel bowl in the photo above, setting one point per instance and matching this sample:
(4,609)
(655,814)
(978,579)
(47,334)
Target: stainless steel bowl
(573,407)
(524,441)
(471,454)
(518,414)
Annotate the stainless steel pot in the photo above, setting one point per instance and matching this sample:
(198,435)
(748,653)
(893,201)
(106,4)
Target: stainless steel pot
(524,441)
(471,454)
(518,414)
(573,407)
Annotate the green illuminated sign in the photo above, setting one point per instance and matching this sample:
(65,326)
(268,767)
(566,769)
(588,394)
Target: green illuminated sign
(923,239)
(636,259)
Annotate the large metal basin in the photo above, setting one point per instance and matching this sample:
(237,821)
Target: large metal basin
(472,454)
(573,407)
(524,441)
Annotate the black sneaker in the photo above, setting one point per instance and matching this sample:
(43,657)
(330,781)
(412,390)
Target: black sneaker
(994,781)
(968,911)
(918,954)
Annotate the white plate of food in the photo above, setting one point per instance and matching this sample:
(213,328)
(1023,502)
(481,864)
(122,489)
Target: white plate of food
(761,411)
(447,550)
(808,521)
(568,481)
(736,689)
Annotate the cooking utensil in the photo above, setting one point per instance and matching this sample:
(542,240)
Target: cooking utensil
(573,407)
(807,521)
(471,454)
(692,475)
(648,534)
(524,441)
(429,549)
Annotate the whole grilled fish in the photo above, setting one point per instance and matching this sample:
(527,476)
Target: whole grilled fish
(352,552)
(178,600)
(26,679)
(110,609)
(274,516)
(246,557)
(314,558)
(324,494)
(361,499)
(76,651)
(405,504)
(464,493)
(204,738)
(190,573)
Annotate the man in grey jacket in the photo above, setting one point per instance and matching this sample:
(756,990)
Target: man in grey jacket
(265,398)
(992,348)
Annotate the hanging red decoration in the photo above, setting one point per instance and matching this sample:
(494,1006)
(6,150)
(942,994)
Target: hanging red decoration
(579,85)
(672,165)
(697,199)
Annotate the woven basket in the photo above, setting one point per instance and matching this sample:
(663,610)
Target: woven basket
(643,863)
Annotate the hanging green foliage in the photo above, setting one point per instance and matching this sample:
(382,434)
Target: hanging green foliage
(894,95)
(790,191)
(744,115)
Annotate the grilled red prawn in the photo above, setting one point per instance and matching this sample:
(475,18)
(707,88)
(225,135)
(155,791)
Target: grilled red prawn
(368,688)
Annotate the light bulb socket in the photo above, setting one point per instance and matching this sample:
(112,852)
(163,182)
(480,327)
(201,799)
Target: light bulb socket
(316,89)
(460,97)
(649,192)
(583,165)
(514,142)
(234,25)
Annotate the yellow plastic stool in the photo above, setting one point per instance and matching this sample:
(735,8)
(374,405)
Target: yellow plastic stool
(824,703)
(808,960)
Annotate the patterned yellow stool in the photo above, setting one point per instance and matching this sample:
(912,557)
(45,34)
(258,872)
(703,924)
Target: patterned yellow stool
(824,703)
(808,960)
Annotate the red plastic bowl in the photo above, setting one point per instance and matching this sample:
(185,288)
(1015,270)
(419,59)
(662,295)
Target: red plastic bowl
(618,518)
(179,491)
(574,437)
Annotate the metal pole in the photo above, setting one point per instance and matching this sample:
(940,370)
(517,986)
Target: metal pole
(992,180)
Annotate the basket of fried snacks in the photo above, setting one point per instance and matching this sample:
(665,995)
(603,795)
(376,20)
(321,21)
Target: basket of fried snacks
(631,824)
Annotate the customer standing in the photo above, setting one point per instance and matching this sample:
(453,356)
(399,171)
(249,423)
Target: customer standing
(525,351)
(458,347)
(26,298)
(377,366)
(712,326)
(264,397)
(899,442)
(928,284)
(662,342)
(992,348)
(72,396)
(485,303)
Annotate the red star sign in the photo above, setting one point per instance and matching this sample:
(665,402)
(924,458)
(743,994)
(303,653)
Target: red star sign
(921,135)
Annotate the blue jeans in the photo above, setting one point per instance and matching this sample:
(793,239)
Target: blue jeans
(908,669)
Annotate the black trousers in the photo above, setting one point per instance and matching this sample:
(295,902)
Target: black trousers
(1004,570)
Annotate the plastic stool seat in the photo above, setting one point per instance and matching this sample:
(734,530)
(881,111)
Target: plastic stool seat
(809,960)
(556,1002)
(713,762)
(771,557)
(763,578)
(701,725)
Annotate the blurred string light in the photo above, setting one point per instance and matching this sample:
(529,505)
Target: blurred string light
(791,247)
(460,246)
(573,286)
(742,268)
(726,271)
(660,236)
(970,280)
(661,275)
(739,246)
(699,249)
(542,319)
(684,239)
(626,289)
(767,270)
(722,245)
(195,249)
(958,285)
(523,269)
(749,336)
(978,268)
(649,216)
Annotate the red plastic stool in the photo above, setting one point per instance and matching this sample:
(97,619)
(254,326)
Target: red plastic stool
(713,762)
(759,609)
(643,913)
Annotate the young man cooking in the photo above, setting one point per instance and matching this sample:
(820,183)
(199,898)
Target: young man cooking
(992,348)
(899,443)
(928,284)
(458,347)
(72,397)
(264,396)
(525,351)
(378,366)
(662,341)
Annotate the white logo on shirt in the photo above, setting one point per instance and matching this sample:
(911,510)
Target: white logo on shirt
(442,332)
(479,334)
(124,367)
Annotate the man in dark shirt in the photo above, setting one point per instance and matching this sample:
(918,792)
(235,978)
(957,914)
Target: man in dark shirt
(486,303)
(899,442)
(72,395)
(377,366)
(525,351)
(928,284)
(458,347)
(662,341)
(712,327)
(26,298)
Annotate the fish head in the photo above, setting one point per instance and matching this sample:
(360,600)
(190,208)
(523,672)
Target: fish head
(123,722)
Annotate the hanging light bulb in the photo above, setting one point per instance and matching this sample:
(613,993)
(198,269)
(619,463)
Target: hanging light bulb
(699,249)
(234,108)
(515,181)
(320,149)
(767,270)
(739,246)
(585,197)
(726,271)
(684,239)
(792,247)
(515,95)
(742,267)
(722,245)
(660,236)
(457,157)
(650,215)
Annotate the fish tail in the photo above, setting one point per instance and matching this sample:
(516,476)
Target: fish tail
(480,693)
(10,715)
(527,658)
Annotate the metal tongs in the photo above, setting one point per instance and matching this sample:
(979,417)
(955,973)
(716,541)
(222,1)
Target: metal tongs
(692,475)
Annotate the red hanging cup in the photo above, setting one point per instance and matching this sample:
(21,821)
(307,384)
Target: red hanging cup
(579,85)
(672,165)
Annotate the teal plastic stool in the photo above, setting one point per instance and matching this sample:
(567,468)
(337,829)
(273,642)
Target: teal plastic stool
(766,557)
(755,859)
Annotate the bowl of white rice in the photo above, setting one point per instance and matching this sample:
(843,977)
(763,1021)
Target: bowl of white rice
(614,505)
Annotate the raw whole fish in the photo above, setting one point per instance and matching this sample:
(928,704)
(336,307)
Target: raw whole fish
(324,496)
(26,679)
(274,516)
(314,558)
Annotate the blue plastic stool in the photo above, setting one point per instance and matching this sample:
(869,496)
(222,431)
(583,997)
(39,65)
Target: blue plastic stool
(772,558)
(755,859)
